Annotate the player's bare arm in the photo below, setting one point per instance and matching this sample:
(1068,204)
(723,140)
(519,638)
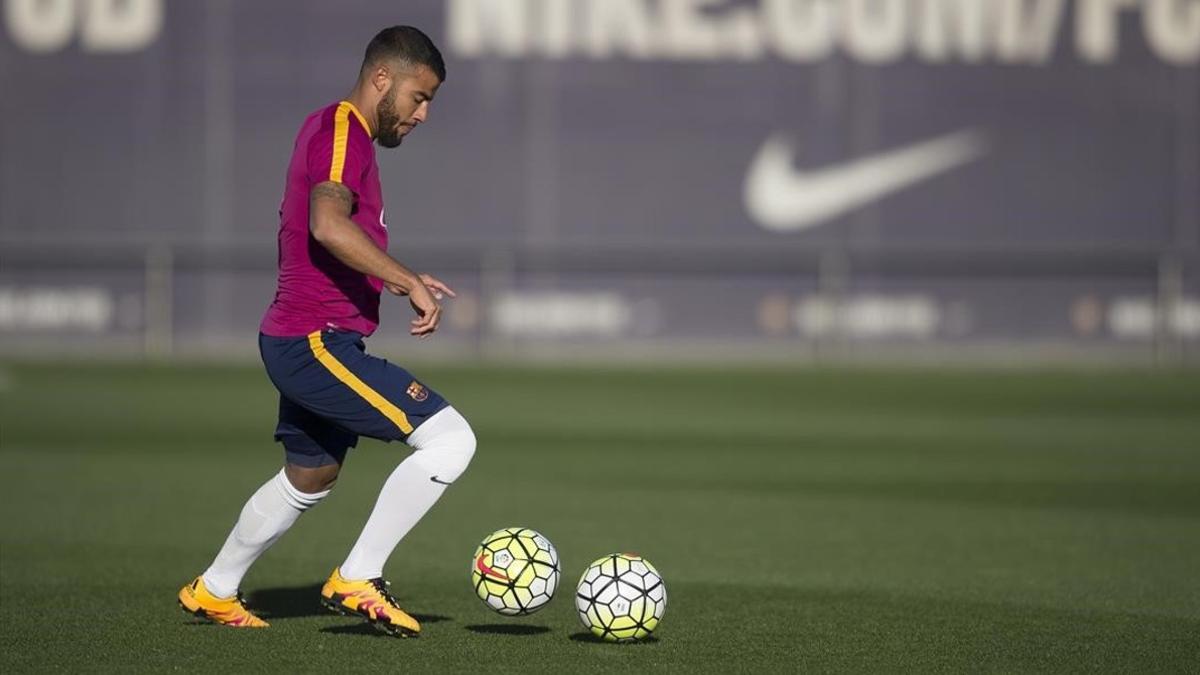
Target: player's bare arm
(329,221)
(435,286)
(330,204)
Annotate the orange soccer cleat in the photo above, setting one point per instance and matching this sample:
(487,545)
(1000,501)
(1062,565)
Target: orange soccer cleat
(197,600)
(371,600)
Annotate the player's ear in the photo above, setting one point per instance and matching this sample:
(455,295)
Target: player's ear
(382,79)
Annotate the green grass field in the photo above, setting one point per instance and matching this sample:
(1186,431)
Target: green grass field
(823,520)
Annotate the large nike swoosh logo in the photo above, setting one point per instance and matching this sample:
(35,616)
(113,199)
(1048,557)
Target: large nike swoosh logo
(781,198)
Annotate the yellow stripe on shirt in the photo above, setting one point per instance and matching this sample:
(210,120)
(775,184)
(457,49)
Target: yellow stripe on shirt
(341,134)
(351,380)
(362,120)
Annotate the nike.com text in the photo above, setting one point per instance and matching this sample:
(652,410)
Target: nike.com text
(869,31)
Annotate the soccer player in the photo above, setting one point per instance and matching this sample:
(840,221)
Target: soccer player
(333,266)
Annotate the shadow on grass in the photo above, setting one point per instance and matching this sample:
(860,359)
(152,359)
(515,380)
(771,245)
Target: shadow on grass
(589,637)
(364,628)
(430,618)
(302,601)
(287,603)
(507,629)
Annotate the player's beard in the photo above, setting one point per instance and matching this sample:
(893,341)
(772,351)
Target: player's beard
(389,122)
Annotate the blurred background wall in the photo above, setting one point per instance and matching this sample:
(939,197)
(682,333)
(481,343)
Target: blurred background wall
(706,179)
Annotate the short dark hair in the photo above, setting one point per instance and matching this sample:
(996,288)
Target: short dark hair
(408,45)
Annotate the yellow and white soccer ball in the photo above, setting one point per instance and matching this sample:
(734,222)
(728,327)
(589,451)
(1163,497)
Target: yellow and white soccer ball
(621,598)
(515,571)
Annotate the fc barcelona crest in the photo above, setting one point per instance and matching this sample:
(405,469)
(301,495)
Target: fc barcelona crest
(418,392)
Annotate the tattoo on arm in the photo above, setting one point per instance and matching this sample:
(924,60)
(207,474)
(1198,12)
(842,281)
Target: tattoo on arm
(338,193)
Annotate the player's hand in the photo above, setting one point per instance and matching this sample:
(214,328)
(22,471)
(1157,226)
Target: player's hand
(436,286)
(429,312)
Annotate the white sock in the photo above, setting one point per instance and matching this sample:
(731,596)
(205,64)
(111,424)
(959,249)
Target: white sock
(443,447)
(268,514)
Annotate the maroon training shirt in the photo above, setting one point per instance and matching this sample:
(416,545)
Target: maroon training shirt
(316,291)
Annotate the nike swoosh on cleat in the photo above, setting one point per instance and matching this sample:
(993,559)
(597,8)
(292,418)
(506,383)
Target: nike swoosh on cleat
(784,199)
(435,479)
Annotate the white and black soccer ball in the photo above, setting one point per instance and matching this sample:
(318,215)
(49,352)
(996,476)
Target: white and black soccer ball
(515,571)
(621,598)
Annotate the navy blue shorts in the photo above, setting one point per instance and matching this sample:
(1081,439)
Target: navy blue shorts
(331,392)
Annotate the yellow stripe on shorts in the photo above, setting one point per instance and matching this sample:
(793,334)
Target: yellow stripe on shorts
(351,380)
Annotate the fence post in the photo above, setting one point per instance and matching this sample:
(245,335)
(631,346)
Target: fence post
(497,271)
(1167,340)
(833,273)
(159,299)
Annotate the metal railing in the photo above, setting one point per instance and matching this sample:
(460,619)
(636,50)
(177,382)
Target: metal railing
(1166,280)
